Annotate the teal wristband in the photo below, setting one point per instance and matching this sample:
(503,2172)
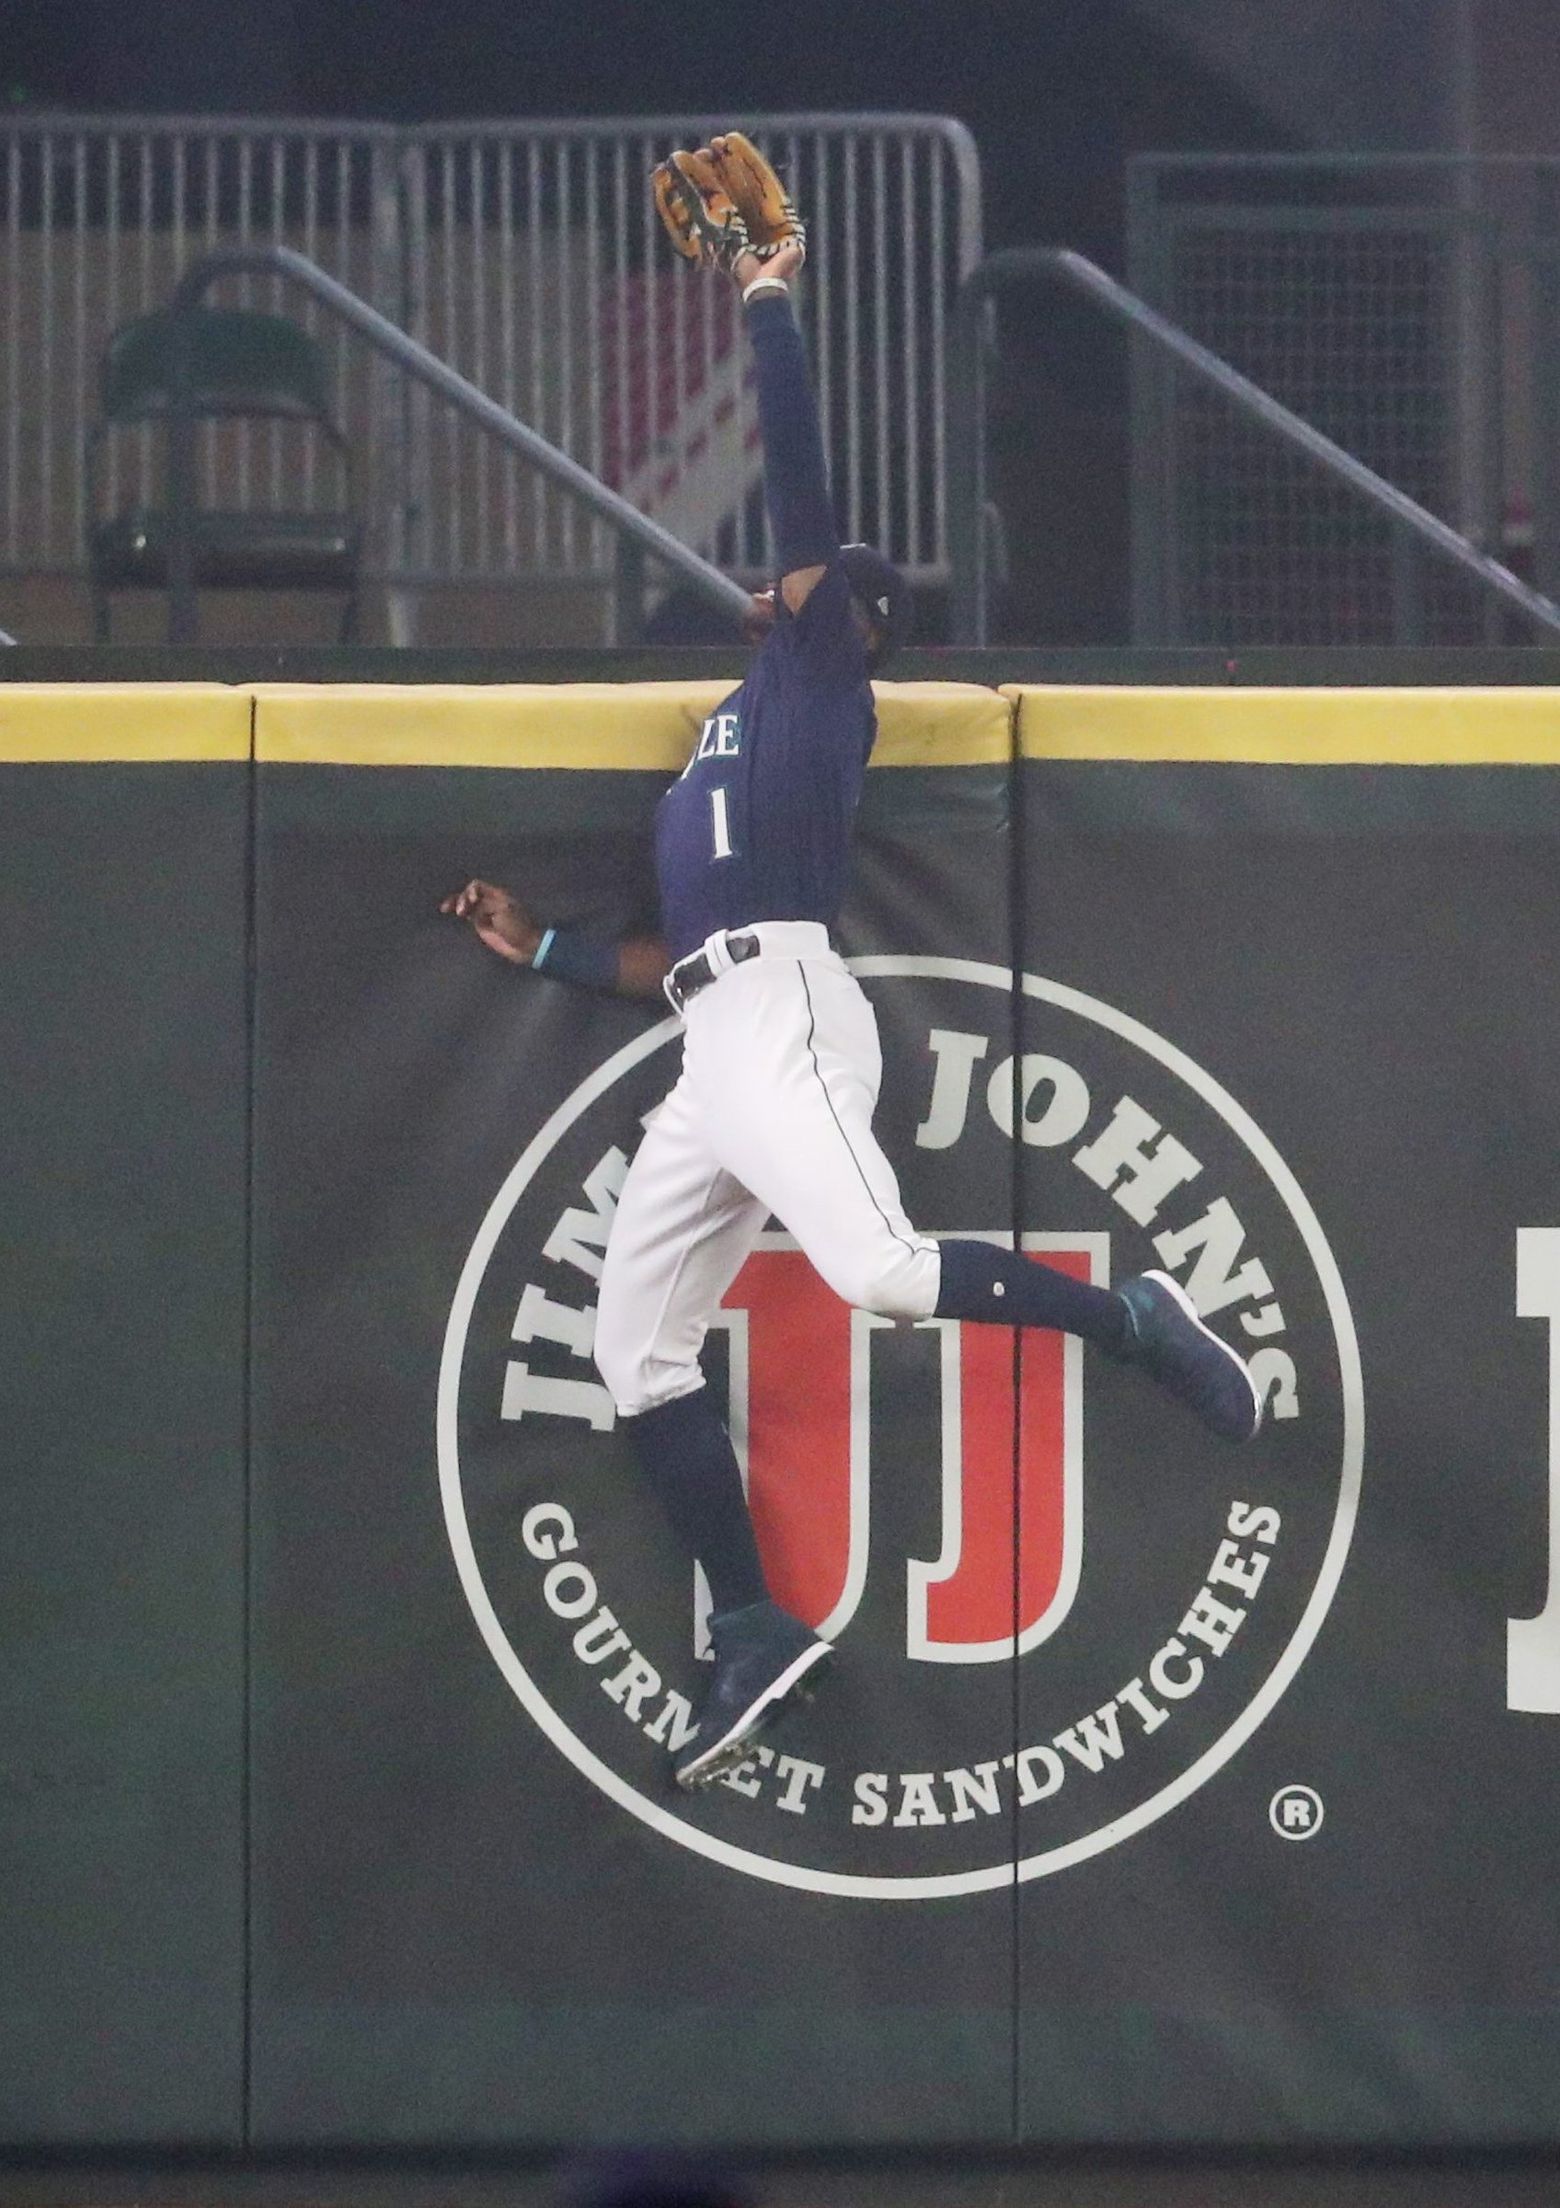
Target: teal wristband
(565,955)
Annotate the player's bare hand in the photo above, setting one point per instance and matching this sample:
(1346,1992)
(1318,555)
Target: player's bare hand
(787,264)
(760,616)
(498,918)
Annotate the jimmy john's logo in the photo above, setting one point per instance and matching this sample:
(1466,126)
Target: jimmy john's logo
(1059,1606)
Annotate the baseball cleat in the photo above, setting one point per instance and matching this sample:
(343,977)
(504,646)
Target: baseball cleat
(1167,1340)
(762,1658)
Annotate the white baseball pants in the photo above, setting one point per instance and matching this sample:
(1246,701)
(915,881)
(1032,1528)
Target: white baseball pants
(772,1113)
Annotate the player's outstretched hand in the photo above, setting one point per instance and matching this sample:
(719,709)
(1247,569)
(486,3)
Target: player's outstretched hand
(785,262)
(500,919)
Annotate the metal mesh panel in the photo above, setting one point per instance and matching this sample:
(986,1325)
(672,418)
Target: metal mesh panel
(1349,329)
(1399,305)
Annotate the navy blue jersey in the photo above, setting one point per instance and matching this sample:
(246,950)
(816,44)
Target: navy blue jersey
(759,826)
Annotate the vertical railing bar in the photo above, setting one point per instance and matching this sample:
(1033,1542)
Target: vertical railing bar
(181,153)
(46,346)
(565,324)
(477,291)
(621,362)
(1495,324)
(600,548)
(822,289)
(179,248)
(909,232)
(884,532)
(144,435)
(540,511)
(713,302)
(681,370)
(246,218)
(797,183)
(506,255)
(651,346)
(945,289)
(13,412)
(452,353)
(208,433)
(111,279)
(78,426)
(277,303)
(852,343)
(278,212)
(420,455)
(358,394)
(311,246)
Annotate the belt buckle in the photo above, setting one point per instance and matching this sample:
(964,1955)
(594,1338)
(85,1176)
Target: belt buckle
(739,947)
(677,992)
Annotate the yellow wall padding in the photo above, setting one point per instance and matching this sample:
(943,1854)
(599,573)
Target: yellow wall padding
(649,725)
(140,722)
(941,724)
(1298,728)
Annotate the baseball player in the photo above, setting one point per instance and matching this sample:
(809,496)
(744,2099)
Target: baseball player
(772,1110)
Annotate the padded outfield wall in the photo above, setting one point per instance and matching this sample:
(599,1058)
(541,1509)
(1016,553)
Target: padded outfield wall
(1163,1794)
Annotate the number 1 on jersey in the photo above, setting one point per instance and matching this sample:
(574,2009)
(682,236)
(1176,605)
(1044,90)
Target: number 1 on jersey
(721,824)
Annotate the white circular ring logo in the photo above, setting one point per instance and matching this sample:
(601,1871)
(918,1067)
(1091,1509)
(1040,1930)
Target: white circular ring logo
(1044,1861)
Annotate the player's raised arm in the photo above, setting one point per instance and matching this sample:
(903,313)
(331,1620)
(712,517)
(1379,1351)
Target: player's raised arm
(725,205)
(635,967)
(796,480)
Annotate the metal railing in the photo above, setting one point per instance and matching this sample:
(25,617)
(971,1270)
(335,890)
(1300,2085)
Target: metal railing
(1412,524)
(637,533)
(1408,305)
(526,256)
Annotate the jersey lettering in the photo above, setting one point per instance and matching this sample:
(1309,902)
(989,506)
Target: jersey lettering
(719,738)
(720,823)
(789,748)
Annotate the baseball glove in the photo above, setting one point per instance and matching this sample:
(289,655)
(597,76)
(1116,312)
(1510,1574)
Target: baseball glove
(723,201)
(761,199)
(699,213)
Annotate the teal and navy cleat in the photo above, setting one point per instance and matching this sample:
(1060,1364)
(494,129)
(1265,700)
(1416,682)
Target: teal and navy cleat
(1167,1340)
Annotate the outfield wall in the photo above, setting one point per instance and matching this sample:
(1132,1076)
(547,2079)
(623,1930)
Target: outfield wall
(1163,1794)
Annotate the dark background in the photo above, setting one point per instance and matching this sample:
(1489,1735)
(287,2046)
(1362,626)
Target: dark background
(1059,95)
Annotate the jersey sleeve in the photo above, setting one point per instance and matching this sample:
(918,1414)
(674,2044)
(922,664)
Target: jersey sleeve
(822,642)
(796,480)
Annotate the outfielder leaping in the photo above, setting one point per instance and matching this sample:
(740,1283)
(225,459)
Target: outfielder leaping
(772,1111)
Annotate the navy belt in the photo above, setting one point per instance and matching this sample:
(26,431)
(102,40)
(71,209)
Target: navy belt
(695,972)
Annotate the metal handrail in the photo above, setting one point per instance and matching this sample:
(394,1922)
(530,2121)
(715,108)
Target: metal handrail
(637,533)
(1023,263)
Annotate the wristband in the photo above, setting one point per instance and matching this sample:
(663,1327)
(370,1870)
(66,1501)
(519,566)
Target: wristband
(776,284)
(564,954)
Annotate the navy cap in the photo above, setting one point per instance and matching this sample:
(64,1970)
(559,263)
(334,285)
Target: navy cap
(882,591)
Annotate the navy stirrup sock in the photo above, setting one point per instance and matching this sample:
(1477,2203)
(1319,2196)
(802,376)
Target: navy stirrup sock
(687,1456)
(981,1281)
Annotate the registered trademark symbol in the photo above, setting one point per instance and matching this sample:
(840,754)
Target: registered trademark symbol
(1296,1812)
